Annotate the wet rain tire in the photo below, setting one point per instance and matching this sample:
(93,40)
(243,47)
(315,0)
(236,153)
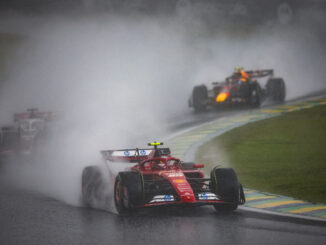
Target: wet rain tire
(199,98)
(224,183)
(128,191)
(276,89)
(92,184)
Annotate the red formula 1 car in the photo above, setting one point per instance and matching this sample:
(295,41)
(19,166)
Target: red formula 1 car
(158,179)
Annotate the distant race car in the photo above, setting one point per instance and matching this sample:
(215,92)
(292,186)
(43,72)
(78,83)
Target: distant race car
(237,89)
(34,113)
(158,179)
(23,136)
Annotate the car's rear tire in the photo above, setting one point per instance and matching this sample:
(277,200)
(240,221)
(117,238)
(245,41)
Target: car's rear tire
(255,96)
(128,191)
(93,185)
(275,88)
(199,98)
(224,183)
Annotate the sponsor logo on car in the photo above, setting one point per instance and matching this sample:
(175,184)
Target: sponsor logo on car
(207,196)
(175,175)
(168,198)
(203,196)
(142,153)
(162,198)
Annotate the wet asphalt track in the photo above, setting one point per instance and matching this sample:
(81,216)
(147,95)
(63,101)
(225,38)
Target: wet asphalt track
(31,218)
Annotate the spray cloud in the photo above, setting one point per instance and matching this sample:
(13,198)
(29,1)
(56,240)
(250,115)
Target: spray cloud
(116,80)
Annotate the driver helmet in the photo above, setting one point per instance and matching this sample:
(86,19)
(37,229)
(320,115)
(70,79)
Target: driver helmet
(161,164)
(237,71)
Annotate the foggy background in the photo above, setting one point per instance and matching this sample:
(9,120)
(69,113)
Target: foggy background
(118,75)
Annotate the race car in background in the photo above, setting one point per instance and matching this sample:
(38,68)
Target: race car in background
(31,126)
(242,87)
(34,113)
(155,178)
(23,136)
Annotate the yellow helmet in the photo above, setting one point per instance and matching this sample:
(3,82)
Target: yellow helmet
(238,69)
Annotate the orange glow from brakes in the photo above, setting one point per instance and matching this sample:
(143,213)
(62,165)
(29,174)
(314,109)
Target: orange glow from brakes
(222,96)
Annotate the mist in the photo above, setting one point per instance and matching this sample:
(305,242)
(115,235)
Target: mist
(116,81)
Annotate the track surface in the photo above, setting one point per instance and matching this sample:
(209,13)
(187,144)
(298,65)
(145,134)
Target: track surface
(191,119)
(30,218)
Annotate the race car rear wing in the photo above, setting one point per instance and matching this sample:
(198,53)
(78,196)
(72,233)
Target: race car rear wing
(131,155)
(260,73)
(255,74)
(34,113)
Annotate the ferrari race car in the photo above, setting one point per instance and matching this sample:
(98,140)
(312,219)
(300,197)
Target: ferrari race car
(237,89)
(155,178)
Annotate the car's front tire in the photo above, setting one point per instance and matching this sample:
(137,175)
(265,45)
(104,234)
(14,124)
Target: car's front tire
(224,183)
(128,191)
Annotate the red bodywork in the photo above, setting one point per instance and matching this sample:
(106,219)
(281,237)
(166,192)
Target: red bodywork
(169,168)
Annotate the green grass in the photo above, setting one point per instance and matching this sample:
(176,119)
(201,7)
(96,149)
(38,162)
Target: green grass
(284,155)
